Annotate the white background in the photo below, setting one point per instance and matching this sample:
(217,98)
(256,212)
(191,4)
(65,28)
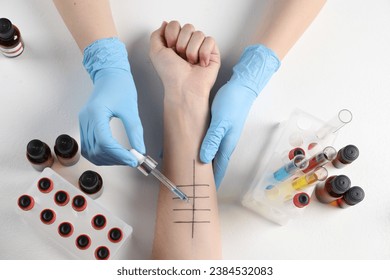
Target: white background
(342,61)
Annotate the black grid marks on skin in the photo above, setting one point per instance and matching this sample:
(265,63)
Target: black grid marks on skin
(194,198)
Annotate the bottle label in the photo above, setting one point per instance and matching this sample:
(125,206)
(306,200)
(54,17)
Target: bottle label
(14,51)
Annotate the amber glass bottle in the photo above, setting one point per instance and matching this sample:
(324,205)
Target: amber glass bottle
(11,43)
(39,154)
(66,150)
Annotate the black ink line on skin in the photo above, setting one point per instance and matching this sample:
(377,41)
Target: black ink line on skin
(193,194)
(192,222)
(193,209)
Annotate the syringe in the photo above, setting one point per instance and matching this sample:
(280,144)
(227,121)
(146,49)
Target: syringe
(147,166)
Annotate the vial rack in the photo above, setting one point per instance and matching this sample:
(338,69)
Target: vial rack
(301,131)
(75,222)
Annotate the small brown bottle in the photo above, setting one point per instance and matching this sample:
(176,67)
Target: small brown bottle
(11,43)
(39,154)
(351,197)
(91,183)
(66,150)
(346,156)
(332,189)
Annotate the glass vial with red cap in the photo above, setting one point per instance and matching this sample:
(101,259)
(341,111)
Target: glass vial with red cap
(11,43)
(351,197)
(332,189)
(66,150)
(346,156)
(39,155)
(301,200)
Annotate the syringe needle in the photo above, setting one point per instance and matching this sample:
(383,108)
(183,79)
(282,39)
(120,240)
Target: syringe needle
(147,166)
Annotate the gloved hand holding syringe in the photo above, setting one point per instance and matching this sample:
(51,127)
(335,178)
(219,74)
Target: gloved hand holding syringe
(147,166)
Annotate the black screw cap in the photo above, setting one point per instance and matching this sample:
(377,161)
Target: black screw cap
(349,153)
(354,195)
(90,182)
(340,184)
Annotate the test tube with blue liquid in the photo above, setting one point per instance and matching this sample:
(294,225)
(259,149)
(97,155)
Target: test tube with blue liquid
(286,171)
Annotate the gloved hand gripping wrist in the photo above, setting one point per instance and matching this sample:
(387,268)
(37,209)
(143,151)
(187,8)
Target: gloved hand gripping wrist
(232,103)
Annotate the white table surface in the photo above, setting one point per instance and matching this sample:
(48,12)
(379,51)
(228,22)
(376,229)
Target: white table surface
(342,61)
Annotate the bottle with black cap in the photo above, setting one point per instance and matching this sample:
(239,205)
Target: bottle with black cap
(345,156)
(91,183)
(332,189)
(39,154)
(11,43)
(351,197)
(66,150)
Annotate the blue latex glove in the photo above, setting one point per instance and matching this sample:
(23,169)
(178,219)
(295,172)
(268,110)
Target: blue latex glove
(232,103)
(114,95)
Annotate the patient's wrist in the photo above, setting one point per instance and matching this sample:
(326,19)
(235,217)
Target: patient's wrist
(186,116)
(189,106)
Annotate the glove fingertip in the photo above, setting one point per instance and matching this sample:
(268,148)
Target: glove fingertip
(204,156)
(218,180)
(220,167)
(209,149)
(131,160)
(132,163)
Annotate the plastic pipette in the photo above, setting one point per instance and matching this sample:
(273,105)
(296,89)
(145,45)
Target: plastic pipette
(147,166)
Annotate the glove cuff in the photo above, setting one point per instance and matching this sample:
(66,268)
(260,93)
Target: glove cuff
(103,54)
(256,66)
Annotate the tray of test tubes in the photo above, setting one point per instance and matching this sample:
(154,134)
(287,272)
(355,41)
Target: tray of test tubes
(281,190)
(76,222)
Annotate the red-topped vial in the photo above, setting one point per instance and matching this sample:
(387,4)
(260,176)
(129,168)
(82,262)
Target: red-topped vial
(301,200)
(11,43)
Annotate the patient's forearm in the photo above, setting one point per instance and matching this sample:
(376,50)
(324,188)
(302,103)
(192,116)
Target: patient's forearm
(285,22)
(87,20)
(187,230)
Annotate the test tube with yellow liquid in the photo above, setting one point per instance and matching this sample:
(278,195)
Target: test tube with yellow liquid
(318,174)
